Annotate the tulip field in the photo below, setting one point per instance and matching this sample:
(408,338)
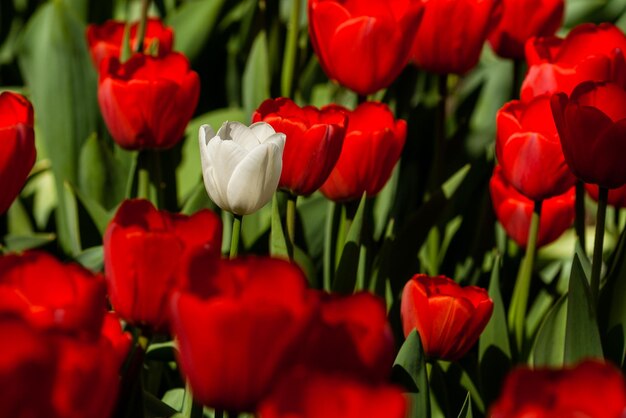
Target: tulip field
(312,209)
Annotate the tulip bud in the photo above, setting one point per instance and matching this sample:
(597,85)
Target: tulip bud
(241,165)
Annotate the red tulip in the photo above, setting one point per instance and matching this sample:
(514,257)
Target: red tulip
(147,255)
(521,20)
(314,395)
(589,52)
(87,379)
(363,45)
(452,34)
(240,329)
(53,295)
(27,369)
(529,150)
(17,146)
(449,318)
(592,389)
(105,40)
(147,102)
(514,211)
(592,127)
(617,197)
(313,143)
(351,336)
(371,148)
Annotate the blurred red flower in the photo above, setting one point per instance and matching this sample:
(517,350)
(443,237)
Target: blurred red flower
(521,20)
(592,389)
(449,318)
(514,211)
(314,395)
(452,34)
(529,150)
(364,45)
(147,102)
(588,53)
(239,329)
(105,40)
(27,369)
(53,295)
(148,254)
(313,143)
(17,145)
(352,337)
(371,148)
(592,127)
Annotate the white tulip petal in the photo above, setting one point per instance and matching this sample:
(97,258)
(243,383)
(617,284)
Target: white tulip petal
(239,133)
(216,193)
(278,139)
(262,130)
(224,157)
(255,179)
(205,134)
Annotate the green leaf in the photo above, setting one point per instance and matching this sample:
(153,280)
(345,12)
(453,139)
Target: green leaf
(165,351)
(92,258)
(409,370)
(57,69)
(18,243)
(612,300)
(156,408)
(494,350)
(400,259)
(547,349)
(97,213)
(102,177)
(193,23)
(346,273)
(256,75)
(278,242)
(70,219)
(466,411)
(175,398)
(582,337)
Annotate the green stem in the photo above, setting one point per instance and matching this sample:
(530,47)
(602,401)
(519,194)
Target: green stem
(234,243)
(143,175)
(291,224)
(191,408)
(333,214)
(141,32)
(579,223)
(291,50)
(157,178)
(596,265)
(517,312)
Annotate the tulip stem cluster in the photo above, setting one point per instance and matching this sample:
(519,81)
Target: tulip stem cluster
(234,242)
(291,224)
(141,32)
(519,302)
(291,50)
(579,220)
(596,266)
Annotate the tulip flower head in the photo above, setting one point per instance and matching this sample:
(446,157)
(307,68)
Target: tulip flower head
(529,150)
(592,127)
(521,20)
(449,318)
(592,389)
(241,165)
(588,53)
(17,146)
(514,211)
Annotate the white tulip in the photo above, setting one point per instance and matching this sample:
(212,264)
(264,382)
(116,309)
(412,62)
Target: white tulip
(241,165)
